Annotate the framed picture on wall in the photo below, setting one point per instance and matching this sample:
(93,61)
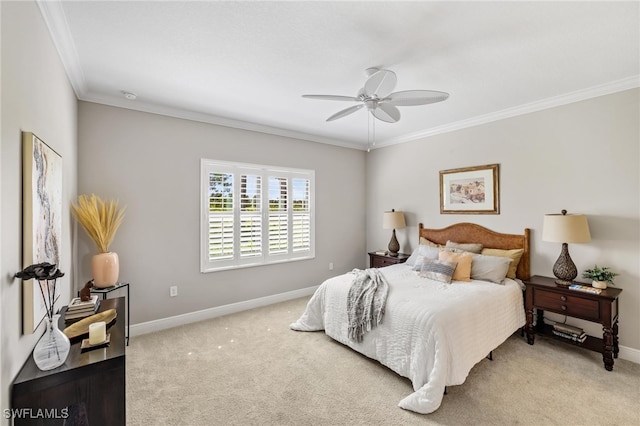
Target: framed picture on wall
(470,190)
(41,221)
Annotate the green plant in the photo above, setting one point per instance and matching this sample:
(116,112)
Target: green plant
(600,274)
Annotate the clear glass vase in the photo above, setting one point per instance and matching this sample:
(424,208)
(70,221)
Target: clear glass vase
(52,349)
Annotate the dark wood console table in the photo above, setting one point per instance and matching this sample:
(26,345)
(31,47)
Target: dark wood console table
(543,294)
(89,388)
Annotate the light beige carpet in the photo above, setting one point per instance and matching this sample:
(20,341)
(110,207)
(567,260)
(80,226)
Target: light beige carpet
(251,369)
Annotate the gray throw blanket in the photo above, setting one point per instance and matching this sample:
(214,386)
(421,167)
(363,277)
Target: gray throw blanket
(366,301)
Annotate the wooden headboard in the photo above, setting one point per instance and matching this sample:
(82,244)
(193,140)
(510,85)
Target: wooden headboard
(472,233)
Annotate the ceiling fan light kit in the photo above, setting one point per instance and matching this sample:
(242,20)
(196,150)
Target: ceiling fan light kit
(378,97)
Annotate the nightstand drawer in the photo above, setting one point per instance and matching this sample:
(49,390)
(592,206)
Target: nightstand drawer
(574,306)
(379,262)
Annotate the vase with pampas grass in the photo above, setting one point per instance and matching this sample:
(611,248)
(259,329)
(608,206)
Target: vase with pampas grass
(100,219)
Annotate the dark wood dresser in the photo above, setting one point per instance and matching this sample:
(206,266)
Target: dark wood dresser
(89,388)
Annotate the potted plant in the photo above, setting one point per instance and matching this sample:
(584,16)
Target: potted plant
(100,219)
(600,276)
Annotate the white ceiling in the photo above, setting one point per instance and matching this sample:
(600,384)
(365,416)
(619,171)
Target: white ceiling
(246,64)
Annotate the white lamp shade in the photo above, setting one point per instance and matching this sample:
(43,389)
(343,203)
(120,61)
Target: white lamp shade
(393,220)
(565,228)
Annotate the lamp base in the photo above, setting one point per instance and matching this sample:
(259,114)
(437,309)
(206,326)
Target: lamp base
(394,246)
(563,283)
(564,269)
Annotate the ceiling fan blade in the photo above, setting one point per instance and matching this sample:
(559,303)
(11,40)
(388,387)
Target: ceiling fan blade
(386,112)
(344,112)
(381,83)
(415,97)
(331,97)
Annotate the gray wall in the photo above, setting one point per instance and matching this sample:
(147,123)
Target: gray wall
(36,97)
(151,164)
(583,157)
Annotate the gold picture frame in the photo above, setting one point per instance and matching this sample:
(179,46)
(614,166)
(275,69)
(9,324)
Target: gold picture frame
(470,190)
(41,221)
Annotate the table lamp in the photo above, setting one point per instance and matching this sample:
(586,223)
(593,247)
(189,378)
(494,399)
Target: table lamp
(393,220)
(565,228)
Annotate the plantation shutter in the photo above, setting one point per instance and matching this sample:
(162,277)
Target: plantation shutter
(278,215)
(250,216)
(301,223)
(221,216)
(253,215)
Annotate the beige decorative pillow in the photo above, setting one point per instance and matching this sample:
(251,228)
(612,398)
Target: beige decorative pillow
(426,242)
(514,255)
(463,270)
(470,247)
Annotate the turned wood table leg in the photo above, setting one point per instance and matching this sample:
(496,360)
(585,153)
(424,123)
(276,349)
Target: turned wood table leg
(616,349)
(607,350)
(529,326)
(540,320)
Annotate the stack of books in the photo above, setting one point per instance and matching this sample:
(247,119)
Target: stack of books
(569,332)
(585,288)
(78,309)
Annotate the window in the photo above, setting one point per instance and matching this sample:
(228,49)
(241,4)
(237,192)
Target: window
(254,215)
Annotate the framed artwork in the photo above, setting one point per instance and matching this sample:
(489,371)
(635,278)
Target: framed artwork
(41,221)
(470,190)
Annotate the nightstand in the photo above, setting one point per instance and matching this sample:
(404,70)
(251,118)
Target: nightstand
(543,294)
(379,260)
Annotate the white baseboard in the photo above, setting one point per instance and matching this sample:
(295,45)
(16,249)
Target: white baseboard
(218,311)
(629,354)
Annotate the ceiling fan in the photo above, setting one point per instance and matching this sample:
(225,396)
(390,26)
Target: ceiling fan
(378,98)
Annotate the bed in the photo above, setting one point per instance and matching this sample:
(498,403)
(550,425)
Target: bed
(432,332)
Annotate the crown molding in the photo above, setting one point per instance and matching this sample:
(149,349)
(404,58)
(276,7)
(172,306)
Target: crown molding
(213,119)
(556,101)
(56,21)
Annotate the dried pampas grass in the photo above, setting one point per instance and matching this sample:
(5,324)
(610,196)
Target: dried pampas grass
(100,219)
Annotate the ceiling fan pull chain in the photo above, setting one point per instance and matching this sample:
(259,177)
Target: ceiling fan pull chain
(368,132)
(371,132)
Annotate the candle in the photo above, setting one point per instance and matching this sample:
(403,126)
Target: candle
(97,333)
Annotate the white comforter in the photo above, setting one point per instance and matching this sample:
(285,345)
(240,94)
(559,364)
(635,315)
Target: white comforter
(432,333)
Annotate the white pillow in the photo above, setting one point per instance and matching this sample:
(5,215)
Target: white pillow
(423,251)
(489,268)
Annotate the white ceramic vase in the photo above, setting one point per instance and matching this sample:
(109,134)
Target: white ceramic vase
(599,284)
(105,269)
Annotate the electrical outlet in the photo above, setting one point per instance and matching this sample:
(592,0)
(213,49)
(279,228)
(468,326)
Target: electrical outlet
(173,291)
(331,266)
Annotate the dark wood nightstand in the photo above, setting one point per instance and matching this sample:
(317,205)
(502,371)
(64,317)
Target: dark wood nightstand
(379,260)
(543,294)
